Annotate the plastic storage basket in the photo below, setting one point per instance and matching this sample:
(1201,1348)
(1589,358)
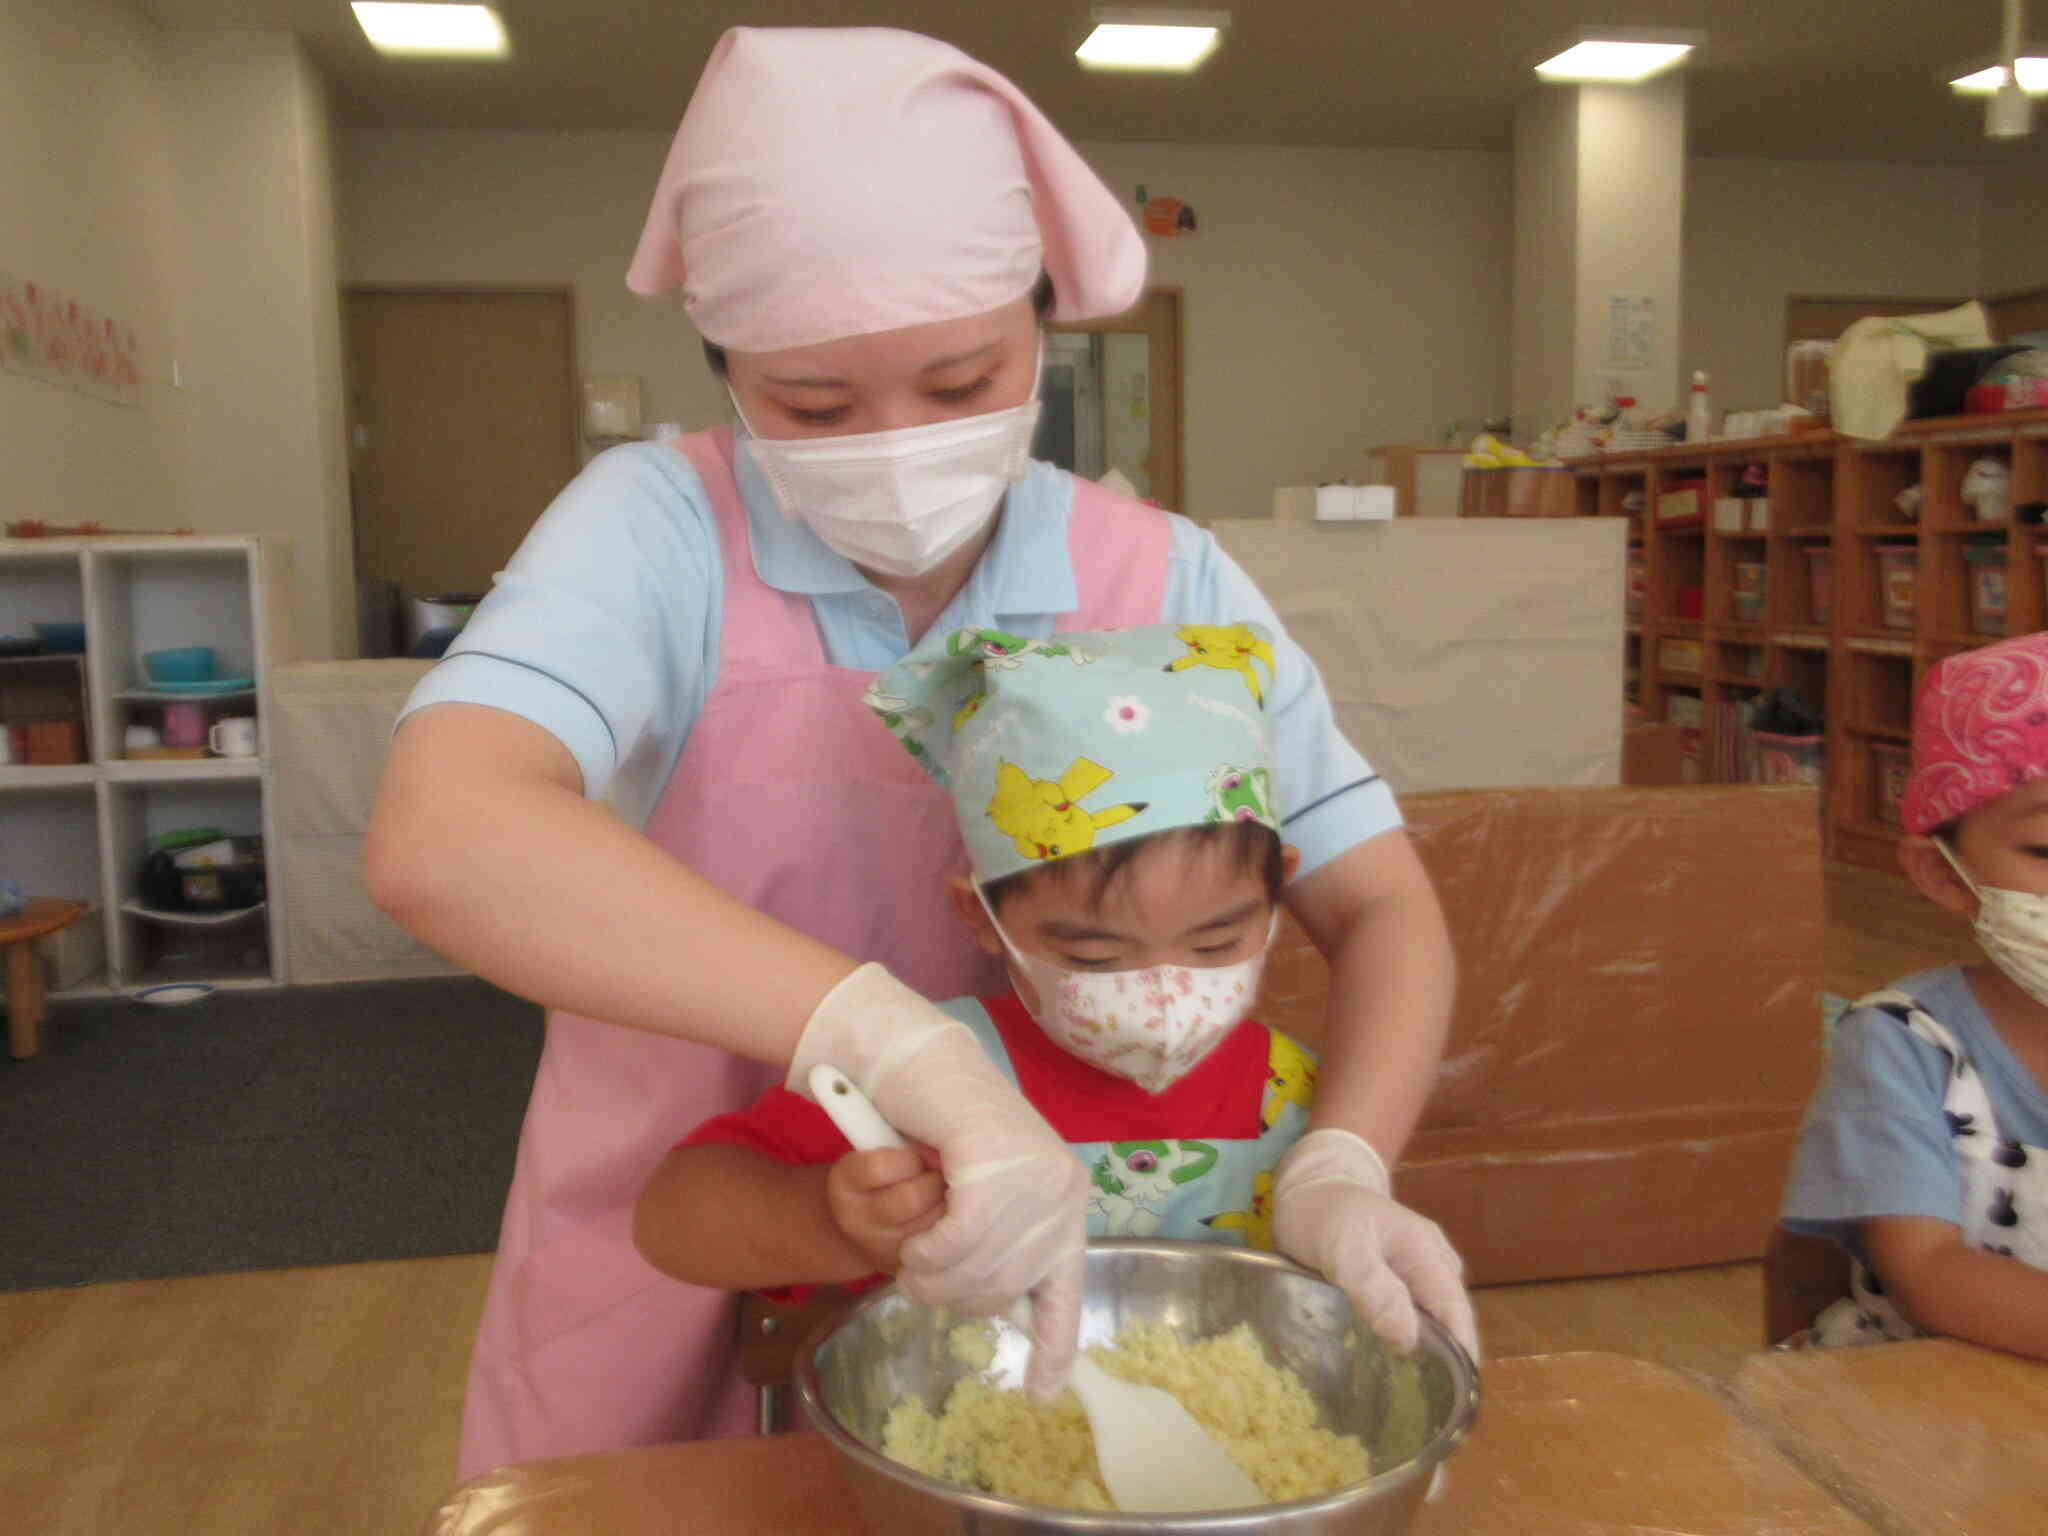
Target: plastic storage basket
(1787,759)
(1750,587)
(1898,581)
(1891,763)
(1987,587)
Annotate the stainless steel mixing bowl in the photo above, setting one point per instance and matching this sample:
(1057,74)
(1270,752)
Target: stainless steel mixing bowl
(1411,1413)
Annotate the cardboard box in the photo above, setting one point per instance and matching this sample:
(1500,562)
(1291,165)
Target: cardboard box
(1677,654)
(1334,503)
(1637,1027)
(54,742)
(1682,507)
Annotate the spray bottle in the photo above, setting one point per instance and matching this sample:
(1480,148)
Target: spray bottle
(1699,410)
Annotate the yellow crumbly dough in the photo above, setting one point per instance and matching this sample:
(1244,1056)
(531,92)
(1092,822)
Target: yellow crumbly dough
(1000,1442)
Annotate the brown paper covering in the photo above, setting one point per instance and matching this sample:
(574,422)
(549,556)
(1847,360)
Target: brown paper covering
(1637,1027)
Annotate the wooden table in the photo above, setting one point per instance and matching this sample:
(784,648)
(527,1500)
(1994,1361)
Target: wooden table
(1929,1436)
(26,1005)
(1582,1444)
(1596,1444)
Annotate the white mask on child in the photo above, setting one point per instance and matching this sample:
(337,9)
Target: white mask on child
(2012,927)
(1153,1025)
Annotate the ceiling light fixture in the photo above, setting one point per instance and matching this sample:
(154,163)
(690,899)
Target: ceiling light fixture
(1618,55)
(470,30)
(2009,112)
(2033,78)
(1144,39)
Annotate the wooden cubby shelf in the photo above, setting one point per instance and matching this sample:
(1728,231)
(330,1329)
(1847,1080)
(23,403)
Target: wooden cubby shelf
(1858,599)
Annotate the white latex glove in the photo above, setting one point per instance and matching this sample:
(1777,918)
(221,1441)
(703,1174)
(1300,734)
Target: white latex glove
(1016,1219)
(1333,1211)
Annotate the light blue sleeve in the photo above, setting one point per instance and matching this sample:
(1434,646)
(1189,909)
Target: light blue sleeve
(603,628)
(1330,798)
(1875,1141)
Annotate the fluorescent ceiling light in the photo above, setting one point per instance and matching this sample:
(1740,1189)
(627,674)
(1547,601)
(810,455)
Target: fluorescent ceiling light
(440,29)
(2033,78)
(1612,62)
(1147,39)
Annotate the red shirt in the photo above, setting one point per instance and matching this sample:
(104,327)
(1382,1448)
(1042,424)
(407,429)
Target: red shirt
(1221,1097)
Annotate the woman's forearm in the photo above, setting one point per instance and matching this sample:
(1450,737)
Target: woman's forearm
(729,1218)
(483,846)
(1374,915)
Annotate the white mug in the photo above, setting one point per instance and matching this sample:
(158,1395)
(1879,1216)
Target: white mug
(137,737)
(232,737)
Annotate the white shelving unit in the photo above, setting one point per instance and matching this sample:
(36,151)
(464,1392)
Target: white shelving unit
(81,830)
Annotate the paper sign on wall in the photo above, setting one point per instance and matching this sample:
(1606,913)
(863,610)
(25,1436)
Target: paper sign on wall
(1631,330)
(45,335)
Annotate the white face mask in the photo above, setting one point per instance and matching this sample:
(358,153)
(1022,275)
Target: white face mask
(2013,928)
(1152,1026)
(899,502)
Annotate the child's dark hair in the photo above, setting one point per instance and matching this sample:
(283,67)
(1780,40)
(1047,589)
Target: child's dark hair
(1247,845)
(1041,306)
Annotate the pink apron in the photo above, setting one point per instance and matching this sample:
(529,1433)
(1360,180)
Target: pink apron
(791,796)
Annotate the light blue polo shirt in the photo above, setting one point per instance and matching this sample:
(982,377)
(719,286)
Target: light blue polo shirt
(1876,1140)
(604,629)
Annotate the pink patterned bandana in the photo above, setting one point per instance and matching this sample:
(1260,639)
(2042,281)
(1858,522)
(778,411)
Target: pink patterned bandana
(1980,731)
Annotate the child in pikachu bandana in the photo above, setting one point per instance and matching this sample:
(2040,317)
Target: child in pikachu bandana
(1115,797)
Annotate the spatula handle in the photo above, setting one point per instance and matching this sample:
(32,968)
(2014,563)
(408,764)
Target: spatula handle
(857,1118)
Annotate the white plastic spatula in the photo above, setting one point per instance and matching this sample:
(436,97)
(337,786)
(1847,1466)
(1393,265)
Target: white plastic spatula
(1154,1456)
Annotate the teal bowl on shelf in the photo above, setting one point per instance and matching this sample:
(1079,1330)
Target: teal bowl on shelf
(61,637)
(180,664)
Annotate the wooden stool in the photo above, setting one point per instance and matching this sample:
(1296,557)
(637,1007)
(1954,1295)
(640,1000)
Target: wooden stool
(18,935)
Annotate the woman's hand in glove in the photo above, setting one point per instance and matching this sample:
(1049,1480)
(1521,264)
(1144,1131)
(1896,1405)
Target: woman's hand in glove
(1016,1196)
(1333,1211)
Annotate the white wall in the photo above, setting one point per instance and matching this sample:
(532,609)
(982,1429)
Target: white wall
(1757,231)
(1545,240)
(1334,299)
(1631,215)
(179,182)
(2015,253)
(259,330)
(89,210)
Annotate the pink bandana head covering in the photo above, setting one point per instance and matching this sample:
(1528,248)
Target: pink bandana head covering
(832,182)
(1980,731)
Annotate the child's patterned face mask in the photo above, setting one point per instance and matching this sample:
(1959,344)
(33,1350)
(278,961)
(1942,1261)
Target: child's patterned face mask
(1152,1026)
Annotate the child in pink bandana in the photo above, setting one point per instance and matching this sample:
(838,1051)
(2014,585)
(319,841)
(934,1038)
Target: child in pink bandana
(1925,1150)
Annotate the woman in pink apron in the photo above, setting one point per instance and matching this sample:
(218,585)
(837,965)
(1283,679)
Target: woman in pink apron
(866,226)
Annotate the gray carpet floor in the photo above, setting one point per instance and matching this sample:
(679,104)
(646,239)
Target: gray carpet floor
(262,1130)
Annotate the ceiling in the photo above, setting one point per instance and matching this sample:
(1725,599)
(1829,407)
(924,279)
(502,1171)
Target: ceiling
(1782,79)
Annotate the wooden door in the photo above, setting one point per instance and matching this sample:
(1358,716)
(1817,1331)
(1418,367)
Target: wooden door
(462,427)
